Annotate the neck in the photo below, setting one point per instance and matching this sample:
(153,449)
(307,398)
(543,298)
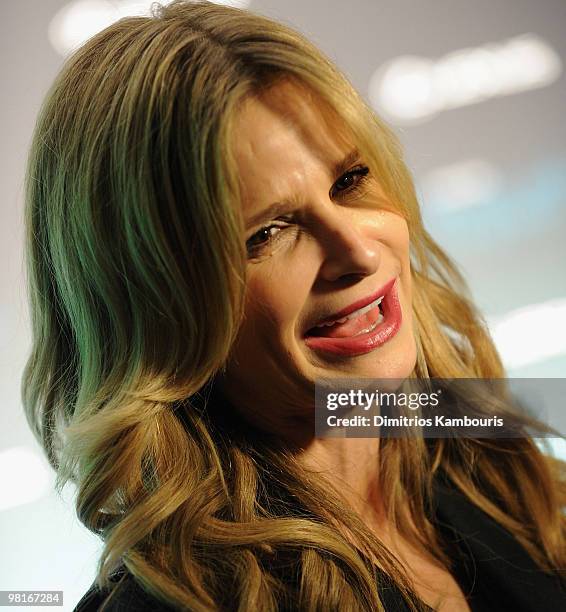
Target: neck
(351,465)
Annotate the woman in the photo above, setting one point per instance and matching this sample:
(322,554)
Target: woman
(205,192)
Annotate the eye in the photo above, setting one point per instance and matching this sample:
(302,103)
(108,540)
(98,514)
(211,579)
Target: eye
(261,238)
(350,181)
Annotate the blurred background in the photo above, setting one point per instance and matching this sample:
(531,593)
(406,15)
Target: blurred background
(476,92)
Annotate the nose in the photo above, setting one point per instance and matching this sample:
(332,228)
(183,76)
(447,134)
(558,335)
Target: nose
(348,252)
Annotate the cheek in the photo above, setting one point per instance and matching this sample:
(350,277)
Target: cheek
(275,297)
(400,243)
(398,233)
(391,228)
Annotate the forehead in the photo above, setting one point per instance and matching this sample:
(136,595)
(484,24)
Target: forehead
(284,130)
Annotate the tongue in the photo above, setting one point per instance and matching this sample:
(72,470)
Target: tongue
(352,327)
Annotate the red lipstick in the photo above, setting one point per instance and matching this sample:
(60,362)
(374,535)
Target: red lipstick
(362,334)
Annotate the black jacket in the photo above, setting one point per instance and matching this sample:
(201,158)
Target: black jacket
(493,570)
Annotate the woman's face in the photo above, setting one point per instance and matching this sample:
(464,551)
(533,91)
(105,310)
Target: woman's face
(323,244)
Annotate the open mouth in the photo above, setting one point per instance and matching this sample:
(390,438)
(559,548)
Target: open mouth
(361,321)
(359,331)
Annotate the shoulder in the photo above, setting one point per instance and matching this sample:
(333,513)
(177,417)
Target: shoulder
(490,561)
(125,595)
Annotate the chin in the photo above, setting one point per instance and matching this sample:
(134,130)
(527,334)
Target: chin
(395,359)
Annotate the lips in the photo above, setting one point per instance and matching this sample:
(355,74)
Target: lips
(358,322)
(365,330)
(356,306)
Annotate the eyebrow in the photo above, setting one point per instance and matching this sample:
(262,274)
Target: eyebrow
(288,204)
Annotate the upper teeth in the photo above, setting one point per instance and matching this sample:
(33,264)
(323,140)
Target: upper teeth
(354,314)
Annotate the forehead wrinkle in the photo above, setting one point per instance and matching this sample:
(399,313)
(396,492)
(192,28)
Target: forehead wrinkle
(312,136)
(311,120)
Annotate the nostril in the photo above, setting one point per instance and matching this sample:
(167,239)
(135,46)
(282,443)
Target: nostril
(353,277)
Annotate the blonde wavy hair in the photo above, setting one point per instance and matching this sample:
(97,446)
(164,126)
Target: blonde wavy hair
(136,274)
